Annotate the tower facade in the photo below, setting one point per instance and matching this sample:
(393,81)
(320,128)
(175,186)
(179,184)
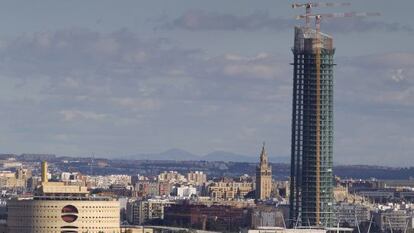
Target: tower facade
(263,177)
(311,186)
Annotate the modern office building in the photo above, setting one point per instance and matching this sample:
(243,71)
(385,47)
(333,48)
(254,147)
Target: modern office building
(263,177)
(311,189)
(60,208)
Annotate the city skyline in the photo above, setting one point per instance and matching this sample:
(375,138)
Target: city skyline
(107,79)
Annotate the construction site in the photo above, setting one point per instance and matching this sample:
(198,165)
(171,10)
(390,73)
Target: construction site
(311,187)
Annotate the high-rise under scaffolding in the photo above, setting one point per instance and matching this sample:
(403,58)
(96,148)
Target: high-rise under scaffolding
(311,188)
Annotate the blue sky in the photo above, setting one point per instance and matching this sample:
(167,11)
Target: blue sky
(117,78)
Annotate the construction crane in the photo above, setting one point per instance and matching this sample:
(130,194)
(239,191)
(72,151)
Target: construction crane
(318,18)
(317,48)
(309,5)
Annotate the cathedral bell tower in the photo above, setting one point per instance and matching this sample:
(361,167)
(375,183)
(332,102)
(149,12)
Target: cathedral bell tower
(263,177)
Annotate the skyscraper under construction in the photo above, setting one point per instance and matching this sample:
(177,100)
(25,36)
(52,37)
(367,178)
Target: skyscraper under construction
(311,188)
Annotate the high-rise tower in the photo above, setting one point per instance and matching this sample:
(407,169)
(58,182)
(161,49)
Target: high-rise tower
(311,187)
(263,177)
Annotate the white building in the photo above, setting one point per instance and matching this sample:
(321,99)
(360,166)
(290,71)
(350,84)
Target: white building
(186,191)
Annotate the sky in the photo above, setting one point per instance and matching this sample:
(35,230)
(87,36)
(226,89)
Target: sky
(115,78)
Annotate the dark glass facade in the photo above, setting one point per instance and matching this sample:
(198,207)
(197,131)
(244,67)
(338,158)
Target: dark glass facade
(311,188)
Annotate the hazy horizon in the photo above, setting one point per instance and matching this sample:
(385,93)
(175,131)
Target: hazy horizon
(225,156)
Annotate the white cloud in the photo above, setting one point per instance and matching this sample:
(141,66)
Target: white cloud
(107,46)
(71,82)
(138,104)
(251,70)
(43,39)
(399,59)
(398,75)
(401,97)
(76,115)
(385,79)
(236,57)
(197,20)
(136,57)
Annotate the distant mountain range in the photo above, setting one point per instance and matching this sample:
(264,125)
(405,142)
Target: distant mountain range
(182,155)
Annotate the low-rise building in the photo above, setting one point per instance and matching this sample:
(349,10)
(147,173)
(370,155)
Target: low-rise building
(229,190)
(393,220)
(147,188)
(10,163)
(197,178)
(352,214)
(136,229)
(172,177)
(142,211)
(9,180)
(267,216)
(185,191)
(215,217)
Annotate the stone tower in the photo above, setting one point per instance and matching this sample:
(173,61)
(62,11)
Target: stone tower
(263,177)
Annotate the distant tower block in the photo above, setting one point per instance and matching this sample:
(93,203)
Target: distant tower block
(263,177)
(44,172)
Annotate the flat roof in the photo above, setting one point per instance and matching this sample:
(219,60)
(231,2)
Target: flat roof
(67,198)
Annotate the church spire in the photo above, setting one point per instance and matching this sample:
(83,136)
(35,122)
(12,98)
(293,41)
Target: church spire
(263,155)
(263,177)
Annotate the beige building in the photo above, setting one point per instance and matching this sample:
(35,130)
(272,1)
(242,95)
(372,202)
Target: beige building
(229,190)
(10,163)
(171,176)
(60,208)
(197,177)
(137,229)
(9,180)
(263,177)
(63,214)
